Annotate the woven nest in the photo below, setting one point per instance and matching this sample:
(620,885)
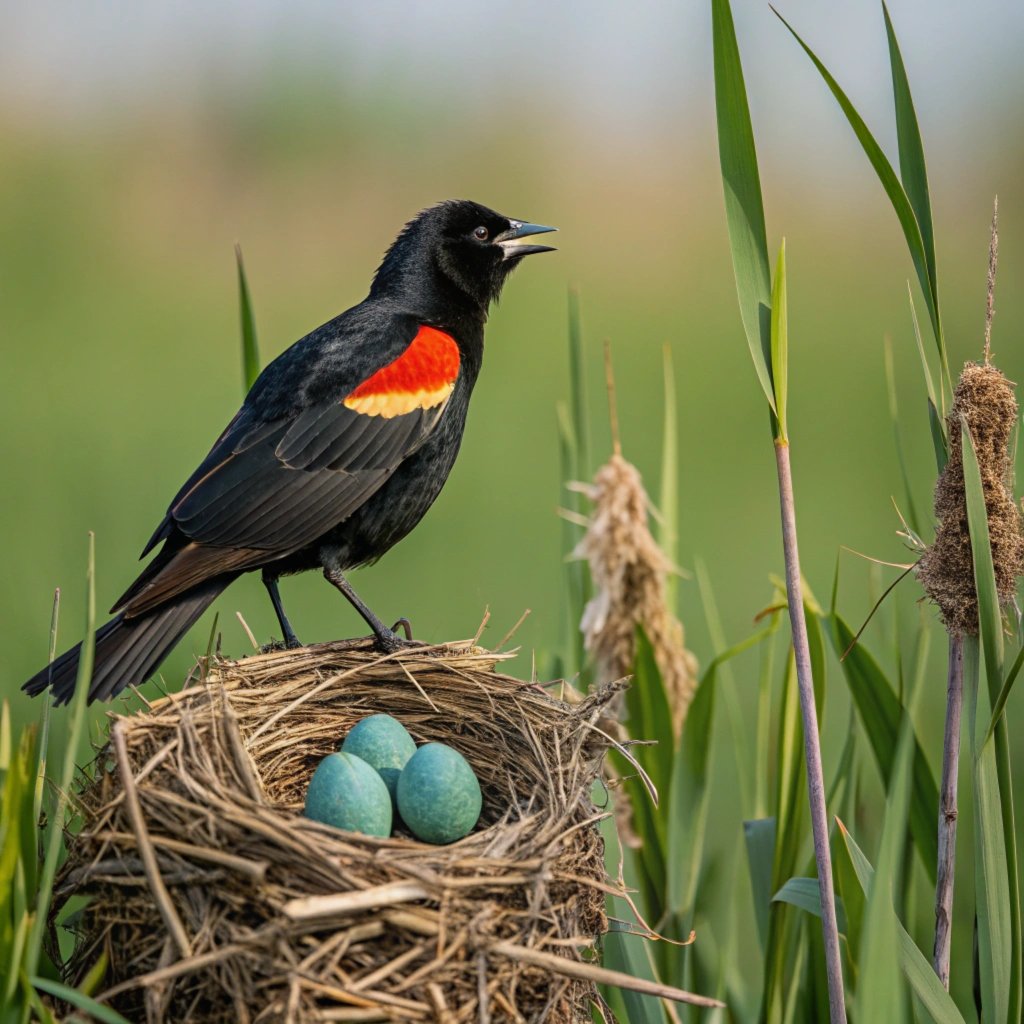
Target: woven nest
(215,900)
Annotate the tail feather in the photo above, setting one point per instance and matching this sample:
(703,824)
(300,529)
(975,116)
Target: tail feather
(128,650)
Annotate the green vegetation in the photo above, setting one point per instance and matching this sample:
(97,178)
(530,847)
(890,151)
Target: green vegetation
(125,370)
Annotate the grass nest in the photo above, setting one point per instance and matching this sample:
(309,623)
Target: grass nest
(214,899)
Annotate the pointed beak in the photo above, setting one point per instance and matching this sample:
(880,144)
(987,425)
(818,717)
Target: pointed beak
(514,242)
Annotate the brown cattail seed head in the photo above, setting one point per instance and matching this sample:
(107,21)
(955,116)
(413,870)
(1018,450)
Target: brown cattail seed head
(628,569)
(984,399)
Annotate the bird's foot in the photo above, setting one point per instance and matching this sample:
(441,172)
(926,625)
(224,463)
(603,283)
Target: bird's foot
(406,627)
(289,643)
(389,642)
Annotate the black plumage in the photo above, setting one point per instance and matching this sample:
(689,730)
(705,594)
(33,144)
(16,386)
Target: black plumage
(311,473)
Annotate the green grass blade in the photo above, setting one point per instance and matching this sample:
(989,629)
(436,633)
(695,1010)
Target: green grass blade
(578,389)
(689,800)
(76,731)
(922,979)
(78,999)
(999,922)
(650,717)
(994,920)
(741,748)
(890,182)
(880,995)
(574,572)
(250,346)
(744,209)
(804,894)
(780,342)
(908,490)
(929,383)
(1004,694)
(759,836)
(990,620)
(668,501)
(911,150)
(881,714)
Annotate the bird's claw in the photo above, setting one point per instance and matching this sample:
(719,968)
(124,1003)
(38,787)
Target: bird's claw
(389,642)
(406,627)
(291,643)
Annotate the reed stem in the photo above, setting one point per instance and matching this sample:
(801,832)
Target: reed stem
(812,746)
(948,810)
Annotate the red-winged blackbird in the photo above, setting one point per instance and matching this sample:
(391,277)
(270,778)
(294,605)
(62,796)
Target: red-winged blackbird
(341,446)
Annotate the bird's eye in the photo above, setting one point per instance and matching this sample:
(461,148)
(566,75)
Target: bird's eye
(481,233)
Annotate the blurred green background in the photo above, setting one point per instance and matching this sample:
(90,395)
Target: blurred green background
(139,144)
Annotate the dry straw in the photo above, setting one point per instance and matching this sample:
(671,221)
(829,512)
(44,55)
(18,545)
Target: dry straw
(984,400)
(214,900)
(629,569)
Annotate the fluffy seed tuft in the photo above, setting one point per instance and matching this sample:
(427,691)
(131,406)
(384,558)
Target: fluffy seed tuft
(985,399)
(628,569)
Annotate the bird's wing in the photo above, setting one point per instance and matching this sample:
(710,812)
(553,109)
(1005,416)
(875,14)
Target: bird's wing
(268,488)
(284,484)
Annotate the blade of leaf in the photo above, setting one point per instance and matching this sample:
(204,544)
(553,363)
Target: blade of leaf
(1004,694)
(668,502)
(999,923)
(990,619)
(79,999)
(780,342)
(759,836)
(689,798)
(994,927)
(621,954)
(911,150)
(890,377)
(879,994)
(890,182)
(578,388)
(927,373)
(75,733)
(744,209)
(881,713)
(250,347)
(804,894)
(741,748)
(923,980)
(650,716)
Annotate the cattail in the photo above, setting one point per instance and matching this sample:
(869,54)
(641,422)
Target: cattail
(984,399)
(628,569)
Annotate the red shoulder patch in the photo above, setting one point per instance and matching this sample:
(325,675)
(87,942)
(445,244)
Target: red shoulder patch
(422,377)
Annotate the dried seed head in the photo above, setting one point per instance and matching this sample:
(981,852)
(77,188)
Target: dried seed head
(985,400)
(628,569)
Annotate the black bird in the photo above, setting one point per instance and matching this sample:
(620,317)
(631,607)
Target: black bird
(339,449)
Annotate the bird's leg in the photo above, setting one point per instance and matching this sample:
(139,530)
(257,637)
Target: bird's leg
(406,627)
(387,639)
(291,641)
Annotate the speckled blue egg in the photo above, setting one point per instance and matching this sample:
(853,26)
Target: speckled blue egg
(348,793)
(384,744)
(438,794)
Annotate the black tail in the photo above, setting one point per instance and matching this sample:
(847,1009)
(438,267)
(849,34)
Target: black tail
(128,650)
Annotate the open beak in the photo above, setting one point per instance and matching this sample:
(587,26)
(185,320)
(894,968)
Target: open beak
(514,242)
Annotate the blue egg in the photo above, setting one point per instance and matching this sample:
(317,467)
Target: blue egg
(383,743)
(347,793)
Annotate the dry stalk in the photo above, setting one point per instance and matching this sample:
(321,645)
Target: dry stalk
(983,400)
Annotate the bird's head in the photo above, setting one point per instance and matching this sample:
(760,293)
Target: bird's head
(460,245)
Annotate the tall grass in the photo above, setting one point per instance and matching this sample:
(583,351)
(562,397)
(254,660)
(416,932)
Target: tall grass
(29,858)
(757,897)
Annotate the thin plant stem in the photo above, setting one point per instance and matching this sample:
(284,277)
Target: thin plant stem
(812,746)
(948,810)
